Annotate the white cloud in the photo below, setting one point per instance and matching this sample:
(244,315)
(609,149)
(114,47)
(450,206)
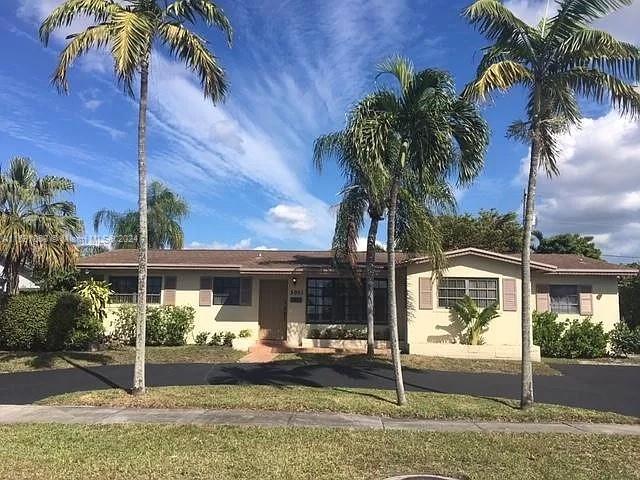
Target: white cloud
(244,244)
(598,190)
(92,104)
(114,133)
(295,217)
(622,23)
(362,244)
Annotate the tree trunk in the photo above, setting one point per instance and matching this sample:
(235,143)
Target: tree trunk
(141,319)
(12,276)
(391,292)
(371,272)
(526,395)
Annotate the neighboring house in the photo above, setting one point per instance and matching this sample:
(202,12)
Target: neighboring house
(282,295)
(25,281)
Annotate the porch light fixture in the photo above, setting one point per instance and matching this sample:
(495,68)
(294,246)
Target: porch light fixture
(294,280)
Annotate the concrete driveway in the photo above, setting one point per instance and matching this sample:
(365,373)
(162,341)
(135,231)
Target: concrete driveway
(599,387)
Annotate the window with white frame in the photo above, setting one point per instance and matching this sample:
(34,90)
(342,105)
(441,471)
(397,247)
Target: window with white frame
(484,291)
(564,298)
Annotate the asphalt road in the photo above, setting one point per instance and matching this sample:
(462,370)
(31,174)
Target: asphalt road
(607,388)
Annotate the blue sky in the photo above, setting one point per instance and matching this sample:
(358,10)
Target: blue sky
(295,67)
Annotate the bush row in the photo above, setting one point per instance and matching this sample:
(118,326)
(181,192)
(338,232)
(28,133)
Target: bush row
(167,325)
(48,321)
(220,339)
(345,333)
(568,339)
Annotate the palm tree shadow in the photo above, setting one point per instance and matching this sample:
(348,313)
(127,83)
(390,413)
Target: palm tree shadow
(364,394)
(102,378)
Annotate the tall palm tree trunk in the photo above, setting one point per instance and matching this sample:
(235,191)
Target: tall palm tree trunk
(370,282)
(526,395)
(391,292)
(11,274)
(141,319)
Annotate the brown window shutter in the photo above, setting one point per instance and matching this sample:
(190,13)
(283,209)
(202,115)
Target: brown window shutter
(542,298)
(206,291)
(586,300)
(509,295)
(170,284)
(425,294)
(245,291)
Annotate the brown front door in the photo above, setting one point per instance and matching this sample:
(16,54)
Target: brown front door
(273,309)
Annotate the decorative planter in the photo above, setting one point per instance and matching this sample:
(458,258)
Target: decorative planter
(343,344)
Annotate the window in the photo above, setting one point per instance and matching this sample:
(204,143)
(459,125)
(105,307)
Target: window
(484,291)
(126,289)
(564,298)
(231,291)
(337,300)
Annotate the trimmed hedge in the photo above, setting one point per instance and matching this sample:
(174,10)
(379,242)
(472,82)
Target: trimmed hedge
(52,321)
(166,325)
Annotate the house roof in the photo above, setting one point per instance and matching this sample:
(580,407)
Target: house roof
(289,261)
(243,260)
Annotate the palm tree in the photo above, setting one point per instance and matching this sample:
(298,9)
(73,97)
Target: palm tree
(557,61)
(166,210)
(364,195)
(475,321)
(423,133)
(129,29)
(36,227)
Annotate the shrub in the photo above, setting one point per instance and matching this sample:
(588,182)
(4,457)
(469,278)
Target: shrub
(338,333)
(244,333)
(222,339)
(625,340)
(201,338)
(475,321)
(568,339)
(167,325)
(48,321)
(547,333)
(584,339)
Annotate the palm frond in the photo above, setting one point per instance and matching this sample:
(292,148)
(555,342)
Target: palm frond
(498,76)
(205,10)
(93,37)
(192,50)
(498,23)
(575,14)
(601,87)
(131,37)
(63,16)
(399,67)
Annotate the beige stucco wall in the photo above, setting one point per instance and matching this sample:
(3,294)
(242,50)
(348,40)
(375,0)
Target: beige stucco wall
(437,326)
(214,318)
(604,295)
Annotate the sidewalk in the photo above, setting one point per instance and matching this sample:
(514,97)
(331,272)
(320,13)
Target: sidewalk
(98,415)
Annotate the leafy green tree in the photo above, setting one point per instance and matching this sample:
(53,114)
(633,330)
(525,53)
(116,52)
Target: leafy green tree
(489,230)
(555,62)
(423,133)
(129,29)
(475,321)
(166,210)
(97,293)
(567,243)
(629,291)
(37,228)
(365,195)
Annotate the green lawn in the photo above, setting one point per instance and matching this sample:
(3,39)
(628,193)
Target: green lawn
(423,405)
(136,452)
(30,361)
(420,362)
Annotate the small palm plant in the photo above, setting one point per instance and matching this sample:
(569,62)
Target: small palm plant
(476,321)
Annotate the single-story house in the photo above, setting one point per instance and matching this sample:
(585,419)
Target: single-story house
(286,295)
